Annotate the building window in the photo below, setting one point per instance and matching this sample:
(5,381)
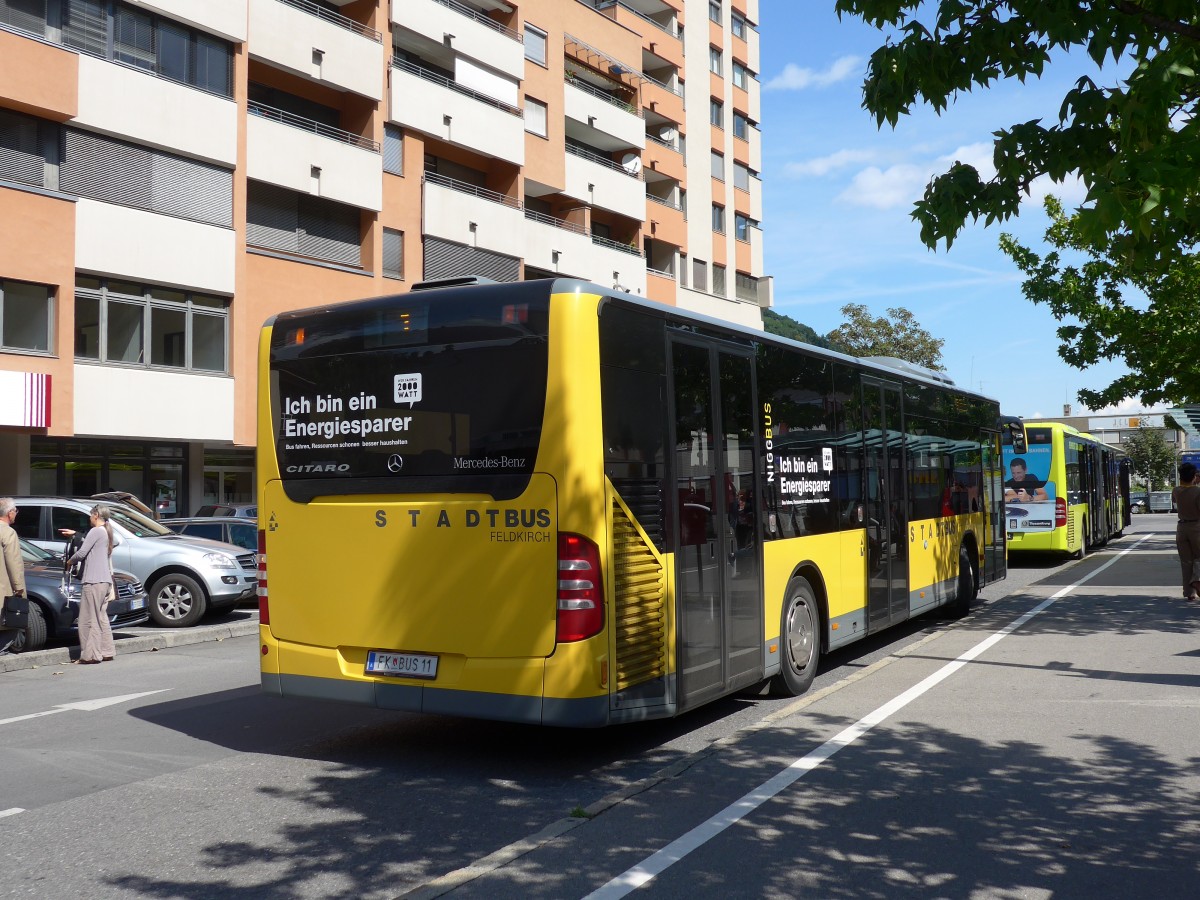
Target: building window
(718,218)
(535,45)
(143,40)
(746,287)
(26,145)
(683,202)
(143,325)
(714,10)
(719,280)
(741,126)
(393,149)
(738,25)
(714,60)
(741,76)
(718,165)
(393,253)
(25,316)
(716,112)
(683,270)
(131,175)
(302,225)
(742,225)
(535,117)
(699,275)
(741,176)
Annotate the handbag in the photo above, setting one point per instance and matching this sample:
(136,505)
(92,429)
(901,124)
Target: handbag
(15,613)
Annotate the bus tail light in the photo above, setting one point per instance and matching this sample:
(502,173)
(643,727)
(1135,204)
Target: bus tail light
(1060,512)
(264,612)
(580,593)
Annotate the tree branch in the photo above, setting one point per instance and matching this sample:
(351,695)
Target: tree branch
(1171,26)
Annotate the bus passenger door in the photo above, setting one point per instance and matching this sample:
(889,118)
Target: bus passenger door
(887,506)
(716,534)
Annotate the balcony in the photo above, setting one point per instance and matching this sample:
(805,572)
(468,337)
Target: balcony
(166,405)
(466,31)
(603,120)
(227,19)
(435,105)
(124,101)
(314,43)
(147,246)
(465,214)
(306,156)
(600,182)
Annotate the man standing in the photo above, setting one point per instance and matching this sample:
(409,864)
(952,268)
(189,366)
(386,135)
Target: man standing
(12,571)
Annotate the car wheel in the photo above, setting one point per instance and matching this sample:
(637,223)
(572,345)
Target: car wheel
(965,589)
(177,601)
(34,635)
(800,632)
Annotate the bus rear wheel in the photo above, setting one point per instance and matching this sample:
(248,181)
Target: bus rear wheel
(800,635)
(965,586)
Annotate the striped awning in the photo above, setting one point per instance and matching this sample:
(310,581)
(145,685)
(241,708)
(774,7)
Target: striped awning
(1188,418)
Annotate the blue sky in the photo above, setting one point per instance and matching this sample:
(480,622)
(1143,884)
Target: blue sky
(838,194)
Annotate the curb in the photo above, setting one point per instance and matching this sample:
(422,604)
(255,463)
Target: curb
(138,643)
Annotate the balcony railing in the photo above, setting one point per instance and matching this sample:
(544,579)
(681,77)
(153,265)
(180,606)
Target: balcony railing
(341,21)
(615,245)
(421,72)
(608,8)
(555,222)
(602,161)
(463,187)
(670,145)
(603,95)
(319,128)
(479,17)
(662,202)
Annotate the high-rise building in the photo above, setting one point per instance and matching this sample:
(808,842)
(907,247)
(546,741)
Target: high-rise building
(174,172)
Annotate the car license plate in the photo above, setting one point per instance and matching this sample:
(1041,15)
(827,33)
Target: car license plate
(137,603)
(402,665)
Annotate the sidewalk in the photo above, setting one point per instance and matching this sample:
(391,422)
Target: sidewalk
(235,623)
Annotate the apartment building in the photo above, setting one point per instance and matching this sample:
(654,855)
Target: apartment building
(174,172)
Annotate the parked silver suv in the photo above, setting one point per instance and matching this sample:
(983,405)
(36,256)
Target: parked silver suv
(184,576)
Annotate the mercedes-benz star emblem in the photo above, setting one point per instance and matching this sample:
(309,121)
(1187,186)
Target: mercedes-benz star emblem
(395,462)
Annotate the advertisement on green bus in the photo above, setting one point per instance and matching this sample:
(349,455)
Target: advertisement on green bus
(1028,490)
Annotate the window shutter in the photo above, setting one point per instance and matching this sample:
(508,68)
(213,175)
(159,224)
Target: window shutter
(393,150)
(85,26)
(20,156)
(27,15)
(445,259)
(271,217)
(393,253)
(192,190)
(329,231)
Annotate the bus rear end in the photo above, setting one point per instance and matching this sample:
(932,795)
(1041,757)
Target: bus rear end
(414,553)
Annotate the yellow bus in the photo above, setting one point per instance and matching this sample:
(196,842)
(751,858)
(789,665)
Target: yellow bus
(549,502)
(1065,492)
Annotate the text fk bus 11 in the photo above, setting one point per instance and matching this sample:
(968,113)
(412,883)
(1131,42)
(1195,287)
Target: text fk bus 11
(1067,492)
(545,502)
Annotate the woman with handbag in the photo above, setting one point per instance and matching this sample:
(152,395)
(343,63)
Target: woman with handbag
(95,633)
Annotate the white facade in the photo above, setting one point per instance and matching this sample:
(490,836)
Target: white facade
(144,403)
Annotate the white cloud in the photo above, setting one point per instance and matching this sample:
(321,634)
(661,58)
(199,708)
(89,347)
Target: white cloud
(794,78)
(823,165)
(897,185)
(978,155)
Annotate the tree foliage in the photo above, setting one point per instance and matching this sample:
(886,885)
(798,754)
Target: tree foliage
(1135,144)
(899,334)
(786,326)
(1150,456)
(1150,320)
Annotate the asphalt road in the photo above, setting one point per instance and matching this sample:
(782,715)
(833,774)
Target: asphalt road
(1060,762)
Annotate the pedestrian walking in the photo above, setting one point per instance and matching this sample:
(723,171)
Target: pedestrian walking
(12,569)
(95,632)
(1186,499)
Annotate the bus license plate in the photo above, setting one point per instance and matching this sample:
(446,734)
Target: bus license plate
(402,665)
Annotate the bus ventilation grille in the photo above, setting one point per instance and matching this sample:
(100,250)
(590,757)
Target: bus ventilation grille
(641,620)
(1071,529)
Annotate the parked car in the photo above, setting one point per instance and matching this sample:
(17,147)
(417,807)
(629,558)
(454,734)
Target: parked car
(54,601)
(243,532)
(1137,501)
(186,576)
(235,510)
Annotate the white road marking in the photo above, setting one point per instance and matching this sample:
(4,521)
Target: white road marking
(10,812)
(659,862)
(82,706)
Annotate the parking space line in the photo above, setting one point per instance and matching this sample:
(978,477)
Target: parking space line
(659,862)
(10,812)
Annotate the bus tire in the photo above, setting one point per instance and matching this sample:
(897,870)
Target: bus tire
(965,586)
(800,639)
(176,601)
(1083,546)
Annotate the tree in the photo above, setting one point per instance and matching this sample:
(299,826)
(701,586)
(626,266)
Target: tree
(1133,143)
(901,336)
(786,326)
(1148,319)
(1150,456)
